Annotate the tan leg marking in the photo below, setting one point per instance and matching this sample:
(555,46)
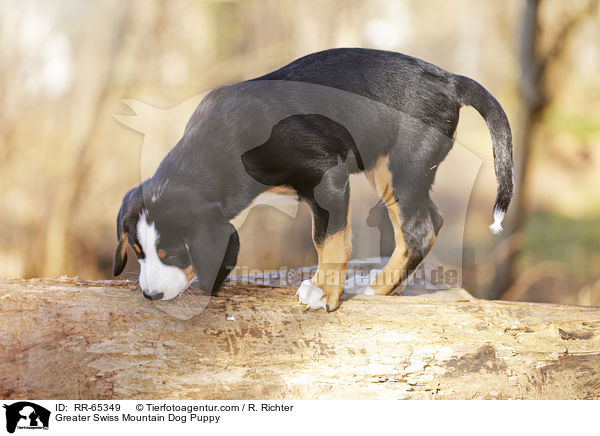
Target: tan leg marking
(390,275)
(318,247)
(334,254)
(282,190)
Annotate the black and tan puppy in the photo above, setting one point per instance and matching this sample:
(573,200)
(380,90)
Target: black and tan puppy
(306,127)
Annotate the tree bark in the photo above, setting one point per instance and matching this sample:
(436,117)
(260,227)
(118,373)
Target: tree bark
(73,339)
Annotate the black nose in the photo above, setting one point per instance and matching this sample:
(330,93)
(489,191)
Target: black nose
(152,295)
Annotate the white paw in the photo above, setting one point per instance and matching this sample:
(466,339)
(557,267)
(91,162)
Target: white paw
(311,295)
(369,291)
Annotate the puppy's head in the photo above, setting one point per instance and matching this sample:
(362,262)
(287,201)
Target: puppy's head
(176,237)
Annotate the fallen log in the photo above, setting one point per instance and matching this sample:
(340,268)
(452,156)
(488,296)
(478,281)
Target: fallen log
(75,339)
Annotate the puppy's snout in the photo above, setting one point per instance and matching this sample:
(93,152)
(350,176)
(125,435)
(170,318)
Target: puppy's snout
(152,295)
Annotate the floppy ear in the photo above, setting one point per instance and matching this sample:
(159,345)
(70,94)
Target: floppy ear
(120,259)
(230,259)
(213,245)
(130,210)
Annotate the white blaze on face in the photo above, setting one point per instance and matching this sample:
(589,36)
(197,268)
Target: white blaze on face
(155,276)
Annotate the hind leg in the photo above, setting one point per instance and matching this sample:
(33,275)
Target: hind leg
(332,238)
(420,229)
(416,222)
(381,177)
(436,217)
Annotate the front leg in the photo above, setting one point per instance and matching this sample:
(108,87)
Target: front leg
(326,286)
(332,239)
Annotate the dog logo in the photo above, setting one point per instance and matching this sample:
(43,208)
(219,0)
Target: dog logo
(26,415)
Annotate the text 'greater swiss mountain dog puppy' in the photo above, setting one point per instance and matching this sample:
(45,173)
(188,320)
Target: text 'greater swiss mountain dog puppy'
(306,127)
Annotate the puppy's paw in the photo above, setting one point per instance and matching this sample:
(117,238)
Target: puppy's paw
(311,295)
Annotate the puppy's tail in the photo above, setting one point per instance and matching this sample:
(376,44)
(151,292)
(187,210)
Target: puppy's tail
(471,93)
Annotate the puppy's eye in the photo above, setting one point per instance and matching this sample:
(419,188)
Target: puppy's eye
(173,256)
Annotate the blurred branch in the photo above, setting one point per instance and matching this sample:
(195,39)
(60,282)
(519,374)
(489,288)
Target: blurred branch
(57,230)
(560,43)
(531,64)
(531,276)
(509,246)
(589,295)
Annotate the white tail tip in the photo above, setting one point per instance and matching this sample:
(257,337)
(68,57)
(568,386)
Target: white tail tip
(496,226)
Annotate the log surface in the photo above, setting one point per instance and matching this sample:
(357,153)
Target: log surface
(74,339)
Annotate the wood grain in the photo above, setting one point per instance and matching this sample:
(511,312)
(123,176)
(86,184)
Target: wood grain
(74,339)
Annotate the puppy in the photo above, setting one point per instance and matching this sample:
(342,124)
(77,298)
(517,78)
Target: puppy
(304,129)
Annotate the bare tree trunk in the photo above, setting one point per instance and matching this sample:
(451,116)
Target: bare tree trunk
(533,102)
(73,339)
(535,98)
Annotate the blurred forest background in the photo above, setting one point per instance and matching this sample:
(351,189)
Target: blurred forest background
(65,161)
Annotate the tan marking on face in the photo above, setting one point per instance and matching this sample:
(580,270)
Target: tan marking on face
(189,272)
(137,248)
(391,274)
(161,253)
(334,254)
